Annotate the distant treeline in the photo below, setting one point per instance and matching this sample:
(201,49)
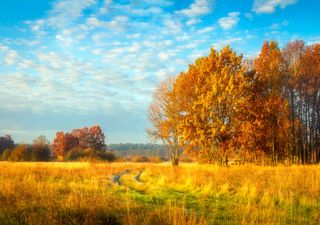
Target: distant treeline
(80,144)
(133,146)
(147,150)
(87,143)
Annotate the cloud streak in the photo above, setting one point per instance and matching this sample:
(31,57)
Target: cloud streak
(269,6)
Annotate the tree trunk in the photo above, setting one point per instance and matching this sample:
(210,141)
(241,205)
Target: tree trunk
(175,162)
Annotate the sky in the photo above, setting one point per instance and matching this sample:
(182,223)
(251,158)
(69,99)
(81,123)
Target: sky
(67,64)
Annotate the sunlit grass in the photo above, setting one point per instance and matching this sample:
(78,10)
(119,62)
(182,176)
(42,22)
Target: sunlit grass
(83,193)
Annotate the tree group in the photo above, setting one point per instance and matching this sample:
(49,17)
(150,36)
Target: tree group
(260,110)
(81,144)
(37,151)
(84,141)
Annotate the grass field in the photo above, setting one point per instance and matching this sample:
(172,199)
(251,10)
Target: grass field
(128,193)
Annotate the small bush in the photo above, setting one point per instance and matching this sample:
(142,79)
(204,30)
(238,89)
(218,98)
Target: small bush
(89,154)
(6,155)
(109,156)
(120,159)
(21,153)
(74,154)
(40,153)
(40,150)
(138,158)
(155,159)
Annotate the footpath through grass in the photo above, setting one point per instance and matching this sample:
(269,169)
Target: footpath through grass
(84,193)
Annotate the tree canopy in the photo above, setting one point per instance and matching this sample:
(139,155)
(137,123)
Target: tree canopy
(266,109)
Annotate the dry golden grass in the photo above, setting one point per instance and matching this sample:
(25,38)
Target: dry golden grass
(83,193)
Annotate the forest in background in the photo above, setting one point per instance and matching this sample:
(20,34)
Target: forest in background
(84,144)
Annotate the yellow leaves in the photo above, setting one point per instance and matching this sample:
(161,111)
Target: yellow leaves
(217,81)
(223,129)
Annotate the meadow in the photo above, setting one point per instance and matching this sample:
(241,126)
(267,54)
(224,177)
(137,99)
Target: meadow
(147,193)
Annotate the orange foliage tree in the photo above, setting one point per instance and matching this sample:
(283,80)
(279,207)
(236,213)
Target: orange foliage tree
(210,120)
(164,117)
(92,137)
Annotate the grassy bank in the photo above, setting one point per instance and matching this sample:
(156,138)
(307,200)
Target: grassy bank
(86,193)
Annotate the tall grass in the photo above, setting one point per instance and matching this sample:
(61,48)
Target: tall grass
(83,193)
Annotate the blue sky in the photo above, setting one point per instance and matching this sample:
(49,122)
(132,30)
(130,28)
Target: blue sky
(66,64)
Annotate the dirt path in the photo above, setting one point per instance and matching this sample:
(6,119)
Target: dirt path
(116,177)
(137,176)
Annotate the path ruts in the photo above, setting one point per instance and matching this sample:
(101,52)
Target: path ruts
(116,177)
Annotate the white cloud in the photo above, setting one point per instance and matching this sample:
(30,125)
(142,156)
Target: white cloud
(313,40)
(198,8)
(172,26)
(277,26)
(9,56)
(154,10)
(94,21)
(159,2)
(118,23)
(193,21)
(105,8)
(249,16)
(67,11)
(163,56)
(222,43)
(64,14)
(269,6)
(137,9)
(229,21)
(133,36)
(205,30)
(133,48)
(65,37)
(37,25)
(97,51)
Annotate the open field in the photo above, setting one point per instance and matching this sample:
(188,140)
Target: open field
(127,193)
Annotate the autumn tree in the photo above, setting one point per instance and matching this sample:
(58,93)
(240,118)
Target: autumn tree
(292,54)
(307,86)
(62,143)
(78,140)
(92,137)
(6,142)
(163,115)
(21,153)
(40,150)
(271,106)
(210,123)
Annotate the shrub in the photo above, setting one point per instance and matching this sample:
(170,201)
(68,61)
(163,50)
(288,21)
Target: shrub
(109,156)
(89,154)
(6,155)
(21,153)
(74,154)
(40,150)
(138,158)
(155,159)
(40,153)
(120,159)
